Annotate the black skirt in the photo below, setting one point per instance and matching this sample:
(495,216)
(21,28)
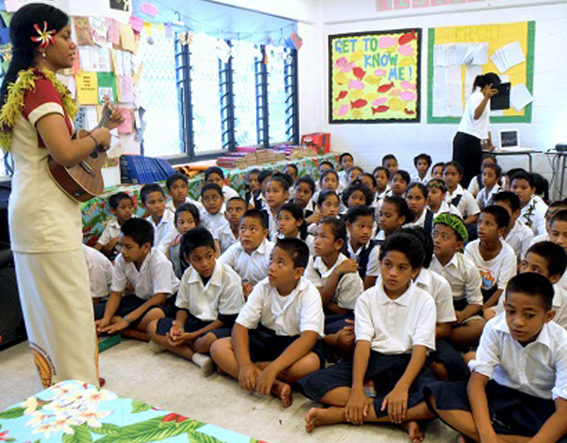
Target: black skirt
(467,152)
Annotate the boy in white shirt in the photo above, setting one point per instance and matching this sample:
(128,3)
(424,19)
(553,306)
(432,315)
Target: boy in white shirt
(395,328)
(490,177)
(100,273)
(212,198)
(517,235)
(552,209)
(250,257)
(121,206)
(533,207)
(153,200)
(275,340)
(422,164)
(518,387)
(209,299)
(227,235)
(457,196)
(149,272)
(436,192)
(178,187)
(216,175)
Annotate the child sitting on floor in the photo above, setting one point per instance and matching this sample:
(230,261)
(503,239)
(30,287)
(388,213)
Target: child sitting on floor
(277,194)
(227,234)
(399,184)
(303,196)
(291,224)
(121,206)
(177,186)
(390,162)
(357,194)
(437,170)
(275,340)
(253,190)
(250,257)
(328,205)
(153,200)
(100,273)
(216,175)
(353,174)
(186,218)
(263,178)
(212,218)
(393,214)
(490,181)
(457,196)
(394,328)
(533,208)
(382,176)
(436,192)
(517,235)
(346,161)
(552,209)
(209,299)
(501,402)
(416,197)
(151,275)
(422,164)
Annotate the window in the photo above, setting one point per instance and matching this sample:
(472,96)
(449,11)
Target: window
(244,55)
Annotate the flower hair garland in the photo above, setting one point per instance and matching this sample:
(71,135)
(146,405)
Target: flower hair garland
(45,36)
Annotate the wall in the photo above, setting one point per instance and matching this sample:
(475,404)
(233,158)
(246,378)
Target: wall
(369,142)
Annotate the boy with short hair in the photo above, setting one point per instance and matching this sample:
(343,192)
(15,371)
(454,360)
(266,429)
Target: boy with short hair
(214,174)
(558,235)
(422,163)
(227,234)
(212,197)
(495,259)
(533,208)
(449,236)
(121,205)
(552,209)
(178,187)
(501,401)
(275,338)
(149,272)
(209,299)
(394,328)
(153,200)
(436,192)
(250,257)
(100,273)
(516,234)
(360,245)
(390,162)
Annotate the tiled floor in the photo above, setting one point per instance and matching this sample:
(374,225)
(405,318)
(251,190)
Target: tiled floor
(166,381)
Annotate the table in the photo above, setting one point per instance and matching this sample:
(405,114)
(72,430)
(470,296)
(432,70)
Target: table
(515,151)
(73,411)
(559,162)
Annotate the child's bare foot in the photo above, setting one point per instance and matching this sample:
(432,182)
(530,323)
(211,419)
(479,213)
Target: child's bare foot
(414,431)
(284,392)
(320,417)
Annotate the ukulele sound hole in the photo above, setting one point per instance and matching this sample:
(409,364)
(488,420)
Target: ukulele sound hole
(94,154)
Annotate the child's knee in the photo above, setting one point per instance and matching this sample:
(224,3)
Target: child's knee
(152,328)
(220,347)
(203,344)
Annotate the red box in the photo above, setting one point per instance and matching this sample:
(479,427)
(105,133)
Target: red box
(320,142)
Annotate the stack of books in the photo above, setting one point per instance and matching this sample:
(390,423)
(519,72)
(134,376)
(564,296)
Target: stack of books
(138,169)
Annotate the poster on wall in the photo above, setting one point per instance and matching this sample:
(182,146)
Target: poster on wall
(374,77)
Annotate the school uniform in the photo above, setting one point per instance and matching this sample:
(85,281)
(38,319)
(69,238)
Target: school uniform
(533,215)
(309,240)
(100,272)
(537,239)
(380,196)
(343,178)
(171,207)
(309,209)
(425,220)
(463,201)
(366,256)
(416,179)
(393,328)
(519,238)
(475,185)
(228,193)
(272,224)
(213,222)
(111,232)
(251,268)
(258,201)
(464,279)
(274,321)
(219,299)
(496,272)
(164,231)
(524,380)
(485,197)
(175,257)
(447,208)
(225,237)
(154,277)
(560,306)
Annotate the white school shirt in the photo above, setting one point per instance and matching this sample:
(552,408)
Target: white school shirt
(533,215)
(300,311)
(485,196)
(395,326)
(251,268)
(164,232)
(100,272)
(421,220)
(373,266)
(221,295)
(228,193)
(111,232)
(349,287)
(343,179)
(309,241)
(538,238)
(538,369)
(563,281)
(155,276)
(475,186)
(213,222)
(496,272)
(477,128)
(519,237)
(225,237)
(272,225)
(415,178)
(447,208)
(463,277)
(171,207)
(467,204)
(438,287)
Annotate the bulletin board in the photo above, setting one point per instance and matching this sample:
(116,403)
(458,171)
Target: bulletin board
(374,77)
(514,40)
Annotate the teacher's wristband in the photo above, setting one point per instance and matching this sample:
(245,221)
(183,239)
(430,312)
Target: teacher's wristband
(95,140)
(127,319)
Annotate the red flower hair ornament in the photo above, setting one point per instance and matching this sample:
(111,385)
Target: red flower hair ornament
(45,36)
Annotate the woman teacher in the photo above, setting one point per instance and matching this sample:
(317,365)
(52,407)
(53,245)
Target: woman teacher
(473,128)
(36,121)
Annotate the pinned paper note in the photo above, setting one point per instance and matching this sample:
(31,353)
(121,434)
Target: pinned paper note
(126,89)
(127,39)
(106,87)
(508,56)
(148,29)
(126,127)
(148,8)
(113,32)
(520,97)
(87,88)
(83,31)
(168,30)
(100,30)
(136,23)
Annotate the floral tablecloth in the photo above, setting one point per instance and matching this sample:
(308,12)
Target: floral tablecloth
(96,211)
(75,412)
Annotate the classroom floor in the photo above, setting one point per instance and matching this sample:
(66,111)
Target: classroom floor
(167,381)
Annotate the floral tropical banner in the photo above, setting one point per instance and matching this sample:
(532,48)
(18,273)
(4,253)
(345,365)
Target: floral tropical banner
(374,77)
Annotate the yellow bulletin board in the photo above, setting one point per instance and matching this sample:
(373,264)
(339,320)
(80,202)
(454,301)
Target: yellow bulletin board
(497,36)
(374,77)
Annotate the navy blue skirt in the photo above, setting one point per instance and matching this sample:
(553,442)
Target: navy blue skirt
(384,370)
(511,412)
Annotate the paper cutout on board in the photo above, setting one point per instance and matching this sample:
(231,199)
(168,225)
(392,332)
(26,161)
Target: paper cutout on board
(149,9)
(127,39)
(100,30)
(126,127)
(113,32)
(126,89)
(106,86)
(520,97)
(83,31)
(508,56)
(148,29)
(136,23)
(87,88)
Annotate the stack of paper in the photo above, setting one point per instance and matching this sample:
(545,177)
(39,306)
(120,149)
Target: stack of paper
(460,54)
(508,56)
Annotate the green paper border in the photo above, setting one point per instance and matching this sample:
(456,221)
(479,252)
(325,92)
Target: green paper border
(526,118)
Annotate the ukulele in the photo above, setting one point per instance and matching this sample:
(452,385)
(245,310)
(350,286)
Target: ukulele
(83,181)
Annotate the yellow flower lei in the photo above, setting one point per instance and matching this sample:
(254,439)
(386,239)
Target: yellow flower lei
(15,101)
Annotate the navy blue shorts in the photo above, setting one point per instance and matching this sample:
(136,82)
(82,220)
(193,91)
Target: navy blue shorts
(191,325)
(266,346)
(512,412)
(384,370)
(129,303)
(336,322)
(452,359)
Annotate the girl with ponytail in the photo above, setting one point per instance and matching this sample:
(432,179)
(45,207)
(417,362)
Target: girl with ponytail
(36,121)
